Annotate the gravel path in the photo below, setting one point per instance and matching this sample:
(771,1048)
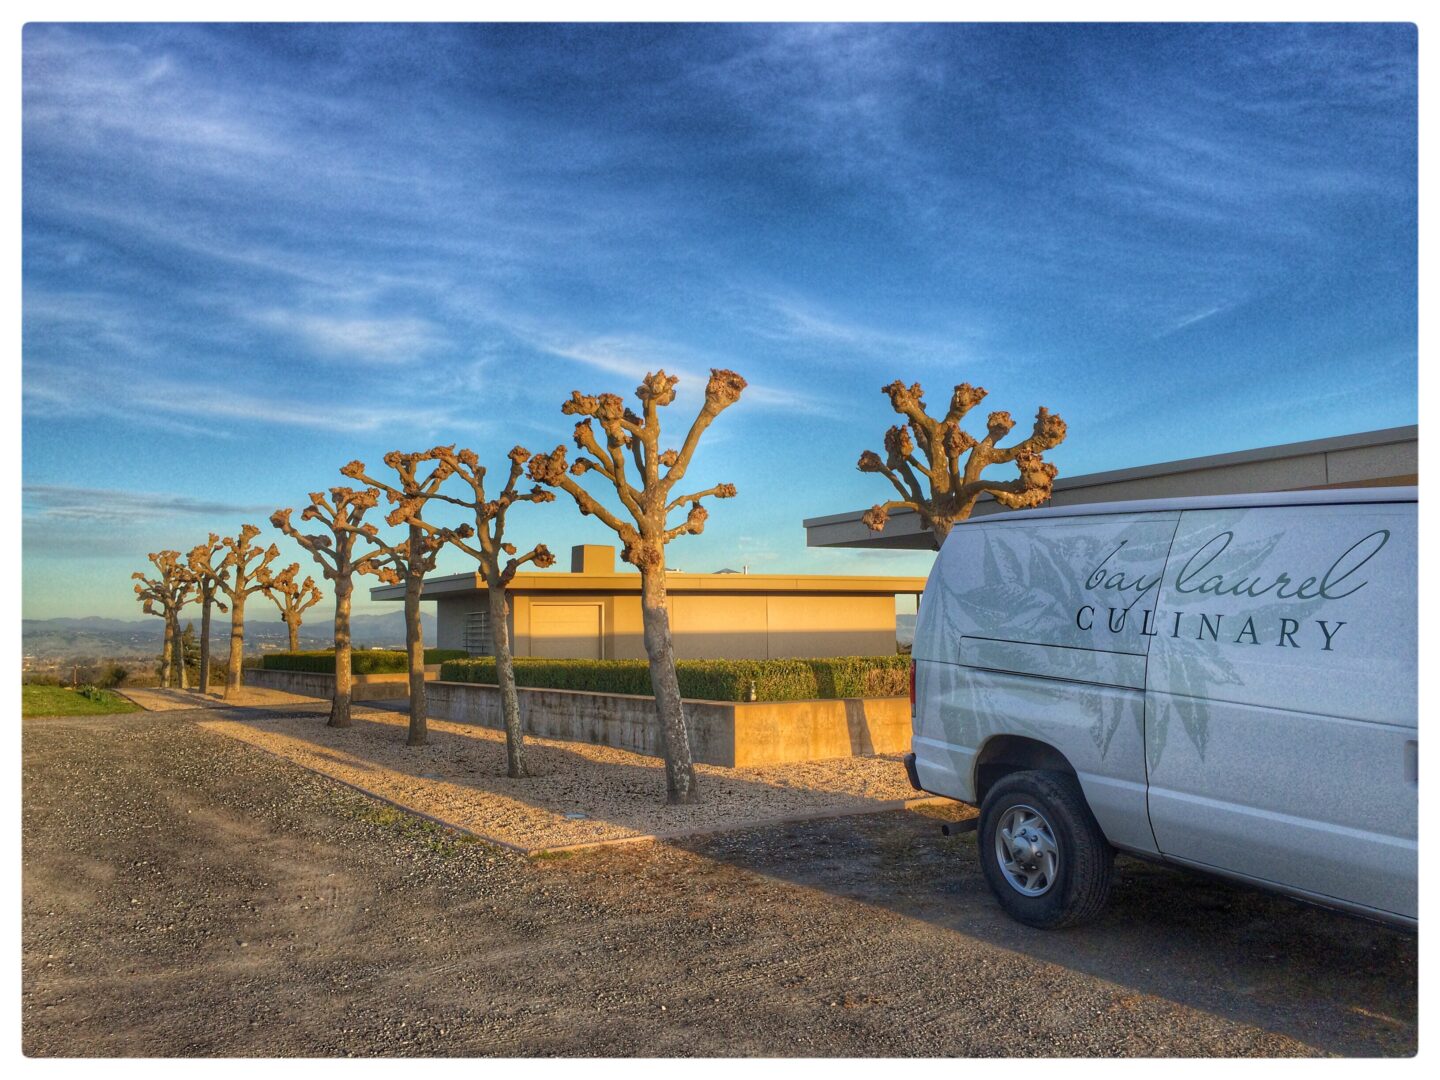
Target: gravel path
(578,793)
(187,895)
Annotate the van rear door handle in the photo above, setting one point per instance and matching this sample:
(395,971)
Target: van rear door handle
(1412,761)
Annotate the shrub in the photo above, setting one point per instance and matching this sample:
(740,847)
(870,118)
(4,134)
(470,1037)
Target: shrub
(362,661)
(441,656)
(707,680)
(102,696)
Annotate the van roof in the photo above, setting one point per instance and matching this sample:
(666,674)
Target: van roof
(1322,497)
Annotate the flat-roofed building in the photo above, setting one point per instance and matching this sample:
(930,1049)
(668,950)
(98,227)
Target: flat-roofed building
(593,612)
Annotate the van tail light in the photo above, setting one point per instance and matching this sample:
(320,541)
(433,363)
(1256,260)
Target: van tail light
(912,687)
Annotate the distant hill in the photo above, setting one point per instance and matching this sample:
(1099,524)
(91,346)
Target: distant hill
(121,639)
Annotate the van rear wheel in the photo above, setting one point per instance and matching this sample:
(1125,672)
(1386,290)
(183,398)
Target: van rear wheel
(1042,852)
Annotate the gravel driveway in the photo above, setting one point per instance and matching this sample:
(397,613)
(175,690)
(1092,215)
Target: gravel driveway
(185,894)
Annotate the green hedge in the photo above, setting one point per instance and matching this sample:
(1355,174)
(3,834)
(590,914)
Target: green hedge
(708,680)
(362,661)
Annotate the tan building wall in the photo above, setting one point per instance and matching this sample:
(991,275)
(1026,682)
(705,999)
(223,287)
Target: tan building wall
(705,626)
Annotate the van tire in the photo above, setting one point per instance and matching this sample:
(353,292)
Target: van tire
(1086,859)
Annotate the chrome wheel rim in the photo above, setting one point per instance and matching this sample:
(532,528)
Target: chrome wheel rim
(1026,849)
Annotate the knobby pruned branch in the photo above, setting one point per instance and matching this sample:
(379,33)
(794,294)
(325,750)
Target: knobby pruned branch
(415,555)
(168,593)
(935,466)
(292,596)
(342,513)
(244,567)
(485,540)
(643,526)
(209,574)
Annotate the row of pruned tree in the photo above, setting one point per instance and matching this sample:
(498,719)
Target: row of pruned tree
(220,574)
(638,469)
(648,500)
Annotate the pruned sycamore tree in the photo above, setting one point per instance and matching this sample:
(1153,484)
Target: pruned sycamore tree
(248,567)
(208,577)
(166,595)
(151,596)
(943,483)
(342,515)
(293,598)
(407,562)
(498,561)
(643,525)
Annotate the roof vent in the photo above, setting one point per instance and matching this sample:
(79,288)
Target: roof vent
(592,559)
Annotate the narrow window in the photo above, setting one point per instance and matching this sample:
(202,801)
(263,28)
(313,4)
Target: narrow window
(477,634)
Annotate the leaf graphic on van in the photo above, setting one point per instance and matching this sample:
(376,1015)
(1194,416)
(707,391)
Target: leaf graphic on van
(1194,659)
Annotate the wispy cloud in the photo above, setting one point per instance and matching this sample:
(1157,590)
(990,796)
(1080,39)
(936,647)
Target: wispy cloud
(788,318)
(193,408)
(59,503)
(633,357)
(627,356)
(397,340)
(1186,321)
(848,92)
(86,92)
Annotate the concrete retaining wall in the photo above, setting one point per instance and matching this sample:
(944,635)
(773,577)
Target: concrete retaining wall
(316,684)
(721,732)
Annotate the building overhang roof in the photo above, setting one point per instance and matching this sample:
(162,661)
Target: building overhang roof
(555,582)
(1386,456)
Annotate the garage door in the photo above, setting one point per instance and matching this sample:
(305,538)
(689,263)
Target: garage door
(565,631)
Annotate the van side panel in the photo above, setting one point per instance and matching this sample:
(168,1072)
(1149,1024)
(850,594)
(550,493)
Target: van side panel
(1039,630)
(1281,709)
(1098,729)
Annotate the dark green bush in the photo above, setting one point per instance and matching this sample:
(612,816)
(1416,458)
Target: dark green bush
(362,661)
(707,680)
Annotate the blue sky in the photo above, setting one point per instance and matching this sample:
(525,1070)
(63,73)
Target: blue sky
(253,253)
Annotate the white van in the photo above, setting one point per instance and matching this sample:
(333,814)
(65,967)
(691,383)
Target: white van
(1224,683)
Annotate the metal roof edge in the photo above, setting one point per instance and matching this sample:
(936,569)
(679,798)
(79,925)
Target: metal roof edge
(1314,497)
(675,581)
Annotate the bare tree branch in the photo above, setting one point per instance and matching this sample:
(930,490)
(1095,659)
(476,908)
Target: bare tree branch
(949,489)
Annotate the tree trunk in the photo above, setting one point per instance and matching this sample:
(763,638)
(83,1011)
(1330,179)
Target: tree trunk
(234,673)
(205,641)
(415,645)
(167,652)
(505,675)
(184,666)
(680,786)
(340,706)
(294,628)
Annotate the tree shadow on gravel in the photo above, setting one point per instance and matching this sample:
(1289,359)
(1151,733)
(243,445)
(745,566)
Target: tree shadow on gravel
(600,800)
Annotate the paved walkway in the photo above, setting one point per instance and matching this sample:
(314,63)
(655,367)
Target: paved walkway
(162,699)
